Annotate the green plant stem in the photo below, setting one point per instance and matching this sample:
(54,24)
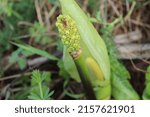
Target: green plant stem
(41,91)
(83,72)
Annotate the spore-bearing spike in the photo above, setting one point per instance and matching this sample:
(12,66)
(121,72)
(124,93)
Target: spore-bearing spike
(69,33)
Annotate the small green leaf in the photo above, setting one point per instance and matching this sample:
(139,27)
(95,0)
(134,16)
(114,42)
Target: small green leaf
(22,63)
(36,77)
(17,58)
(46,93)
(34,96)
(62,71)
(46,76)
(39,89)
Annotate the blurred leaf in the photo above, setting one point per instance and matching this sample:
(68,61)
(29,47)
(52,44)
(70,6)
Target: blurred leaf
(6,7)
(11,13)
(116,66)
(38,32)
(16,58)
(53,1)
(62,71)
(22,63)
(22,95)
(35,51)
(122,89)
(148,75)
(146,93)
(94,5)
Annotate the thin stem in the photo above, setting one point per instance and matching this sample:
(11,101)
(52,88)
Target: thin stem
(15,76)
(41,91)
(128,15)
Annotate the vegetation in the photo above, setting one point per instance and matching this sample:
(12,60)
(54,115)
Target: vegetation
(74,55)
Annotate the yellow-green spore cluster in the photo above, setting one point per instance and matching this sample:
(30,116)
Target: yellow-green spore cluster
(69,33)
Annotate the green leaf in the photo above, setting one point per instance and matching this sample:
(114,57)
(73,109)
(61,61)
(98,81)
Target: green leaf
(53,1)
(148,75)
(62,71)
(34,96)
(39,89)
(122,89)
(46,93)
(35,51)
(22,95)
(36,77)
(16,58)
(46,76)
(38,32)
(69,66)
(146,93)
(22,63)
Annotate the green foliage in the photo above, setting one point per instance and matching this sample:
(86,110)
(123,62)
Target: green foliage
(6,8)
(35,51)
(38,32)
(18,56)
(23,94)
(22,83)
(39,88)
(62,71)
(11,13)
(146,93)
(121,87)
(94,4)
(69,65)
(75,96)
(53,1)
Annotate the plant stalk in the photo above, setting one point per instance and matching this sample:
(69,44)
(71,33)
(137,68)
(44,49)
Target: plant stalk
(84,74)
